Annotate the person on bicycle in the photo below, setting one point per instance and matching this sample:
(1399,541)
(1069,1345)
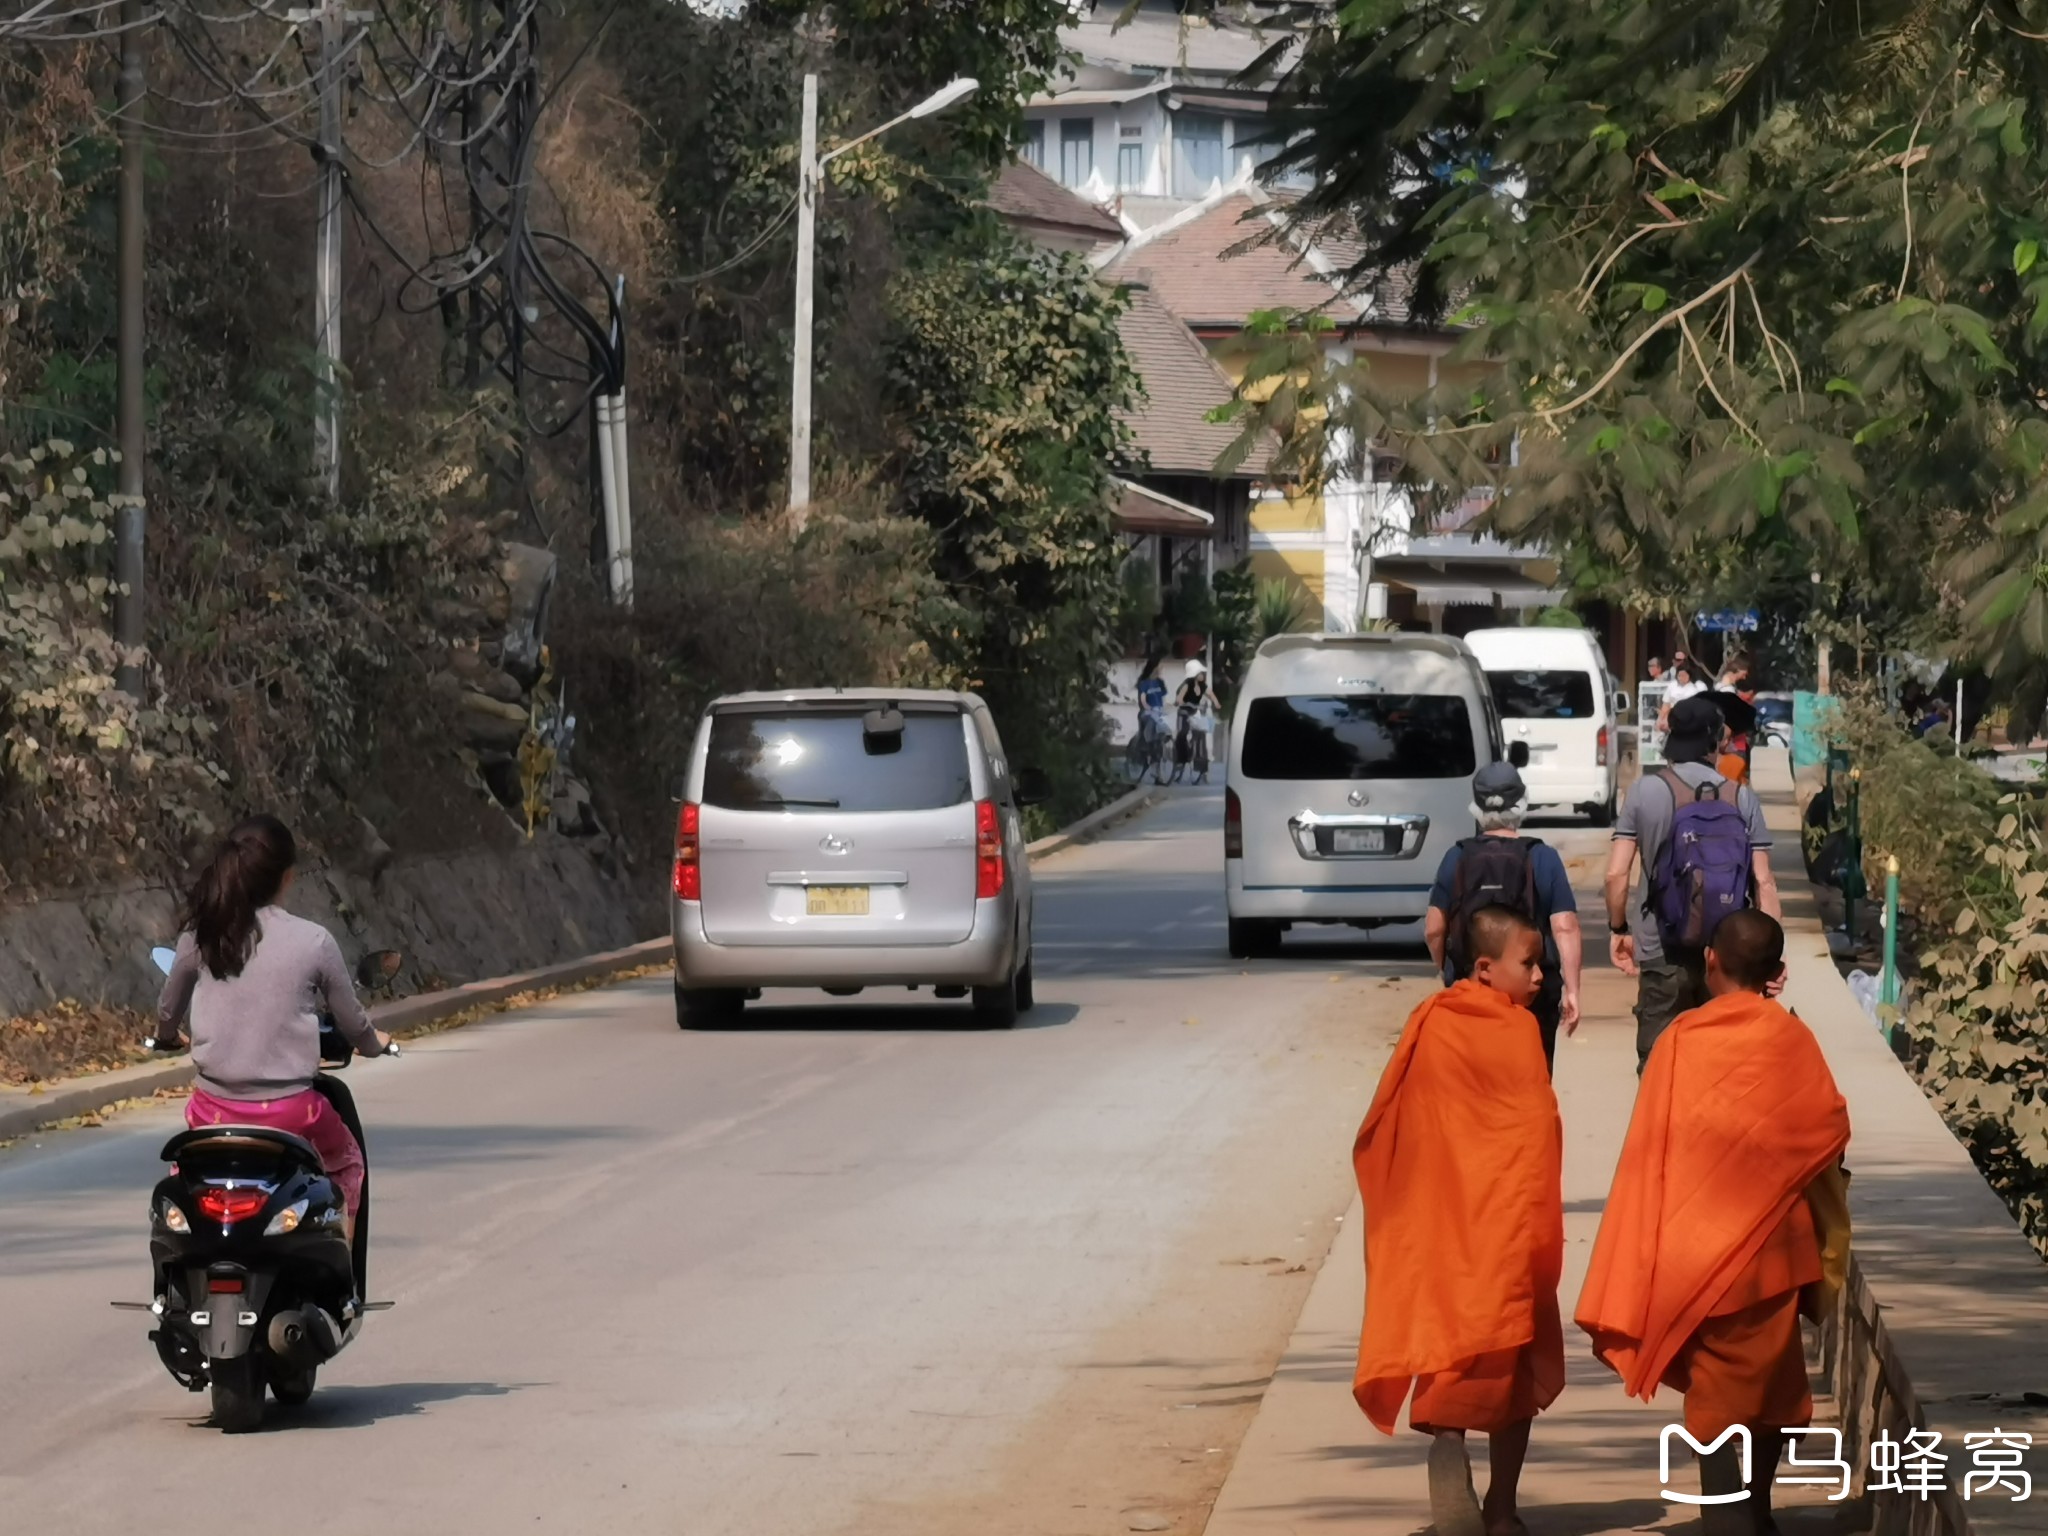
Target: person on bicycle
(1194,697)
(1152,696)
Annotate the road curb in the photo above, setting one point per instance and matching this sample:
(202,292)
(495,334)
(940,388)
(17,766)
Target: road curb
(1094,822)
(66,1101)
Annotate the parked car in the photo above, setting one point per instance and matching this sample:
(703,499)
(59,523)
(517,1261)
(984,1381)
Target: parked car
(1774,719)
(1552,690)
(851,838)
(1350,775)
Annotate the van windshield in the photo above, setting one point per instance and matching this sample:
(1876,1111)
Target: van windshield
(822,760)
(1359,736)
(1543,695)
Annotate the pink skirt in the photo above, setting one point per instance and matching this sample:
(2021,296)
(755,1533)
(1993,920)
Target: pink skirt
(306,1114)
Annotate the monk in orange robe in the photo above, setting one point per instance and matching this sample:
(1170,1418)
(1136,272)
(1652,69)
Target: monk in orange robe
(1459,1165)
(1710,1236)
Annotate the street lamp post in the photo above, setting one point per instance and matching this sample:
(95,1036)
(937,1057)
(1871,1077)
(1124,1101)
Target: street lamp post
(810,172)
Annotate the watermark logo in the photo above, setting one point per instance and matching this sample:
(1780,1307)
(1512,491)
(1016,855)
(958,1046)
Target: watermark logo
(1913,1466)
(1739,1434)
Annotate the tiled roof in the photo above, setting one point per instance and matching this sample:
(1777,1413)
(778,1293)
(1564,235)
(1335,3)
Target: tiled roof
(1158,38)
(1141,509)
(1215,268)
(1182,385)
(1218,267)
(1026,194)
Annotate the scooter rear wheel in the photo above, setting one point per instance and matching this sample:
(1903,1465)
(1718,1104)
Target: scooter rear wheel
(237,1391)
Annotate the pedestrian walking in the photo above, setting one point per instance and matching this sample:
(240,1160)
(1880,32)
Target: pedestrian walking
(1459,1167)
(1690,847)
(1501,867)
(1728,1219)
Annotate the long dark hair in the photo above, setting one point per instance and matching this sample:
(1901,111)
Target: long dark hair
(244,876)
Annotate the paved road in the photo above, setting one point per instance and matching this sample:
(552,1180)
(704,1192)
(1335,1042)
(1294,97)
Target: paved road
(855,1267)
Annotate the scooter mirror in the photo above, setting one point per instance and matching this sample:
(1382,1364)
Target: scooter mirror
(163,959)
(379,968)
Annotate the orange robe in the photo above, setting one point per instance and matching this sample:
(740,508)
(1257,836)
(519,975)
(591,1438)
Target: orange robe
(1459,1164)
(1707,1237)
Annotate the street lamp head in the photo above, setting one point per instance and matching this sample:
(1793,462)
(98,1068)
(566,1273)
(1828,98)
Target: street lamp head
(945,96)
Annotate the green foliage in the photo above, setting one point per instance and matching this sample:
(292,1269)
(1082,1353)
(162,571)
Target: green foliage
(1558,618)
(1282,608)
(1007,375)
(1760,284)
(1236,632)
(76,753)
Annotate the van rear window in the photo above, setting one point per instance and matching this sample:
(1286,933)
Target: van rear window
(1359,736)
(822,760)
(1543,695)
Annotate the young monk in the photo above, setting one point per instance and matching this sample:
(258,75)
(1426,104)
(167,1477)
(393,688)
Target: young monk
(1710,1232)
(1459,1165)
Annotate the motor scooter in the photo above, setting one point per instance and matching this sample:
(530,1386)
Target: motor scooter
(256,1282)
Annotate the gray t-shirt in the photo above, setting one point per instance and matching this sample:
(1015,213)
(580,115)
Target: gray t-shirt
(256,1036)
(1646,816)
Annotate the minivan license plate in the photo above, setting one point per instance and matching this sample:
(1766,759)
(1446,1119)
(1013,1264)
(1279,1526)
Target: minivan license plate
(838,900)
(1358,840)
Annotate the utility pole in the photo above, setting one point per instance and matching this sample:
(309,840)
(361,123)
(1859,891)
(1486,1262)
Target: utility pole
(130,632)
(334,19)
(810,172)
(806,243)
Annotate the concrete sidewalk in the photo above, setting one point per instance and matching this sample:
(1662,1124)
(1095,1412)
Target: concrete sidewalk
(1311,1462)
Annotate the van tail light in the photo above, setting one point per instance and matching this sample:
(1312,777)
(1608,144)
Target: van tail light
(228,1206)
(989,869)
(1233,825)
(1600,752)
(689,880)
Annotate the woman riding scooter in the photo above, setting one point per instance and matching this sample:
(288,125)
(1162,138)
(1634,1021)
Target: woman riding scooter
(253,979)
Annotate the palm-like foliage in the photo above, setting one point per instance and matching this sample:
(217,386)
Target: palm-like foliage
(1761,279)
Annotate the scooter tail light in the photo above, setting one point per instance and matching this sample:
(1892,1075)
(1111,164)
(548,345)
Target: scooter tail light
(228,1206)
(990,871)
(1233,825)
(689,875)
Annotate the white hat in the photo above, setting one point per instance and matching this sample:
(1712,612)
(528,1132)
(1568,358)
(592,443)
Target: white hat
(1195,669)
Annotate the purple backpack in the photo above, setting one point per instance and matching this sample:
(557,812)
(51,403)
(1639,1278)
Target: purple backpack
(1704,871)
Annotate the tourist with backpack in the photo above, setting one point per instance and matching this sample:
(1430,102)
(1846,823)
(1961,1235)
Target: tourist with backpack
(1502,868)
(1703,851)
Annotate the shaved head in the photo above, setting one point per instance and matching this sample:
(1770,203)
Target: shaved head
(1490,930)
(1750,947)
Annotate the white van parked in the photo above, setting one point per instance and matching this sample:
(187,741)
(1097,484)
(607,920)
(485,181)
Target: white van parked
(1552,690)
(1350,776)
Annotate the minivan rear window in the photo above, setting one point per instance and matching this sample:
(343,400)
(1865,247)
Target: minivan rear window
(1543,695)
(822,760)
(1359,736)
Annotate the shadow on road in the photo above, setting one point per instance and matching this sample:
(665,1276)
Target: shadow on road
(881,1018)
(357,1407)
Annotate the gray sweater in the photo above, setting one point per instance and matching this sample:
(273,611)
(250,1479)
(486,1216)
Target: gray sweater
(257,1035)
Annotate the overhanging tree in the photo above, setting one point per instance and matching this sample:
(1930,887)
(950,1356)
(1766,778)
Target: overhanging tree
(1759,276)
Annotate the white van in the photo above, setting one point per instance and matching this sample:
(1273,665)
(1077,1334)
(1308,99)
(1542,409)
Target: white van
(1552,690)
(1350,776)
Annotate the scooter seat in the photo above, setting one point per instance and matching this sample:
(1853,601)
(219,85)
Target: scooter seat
(232,1139)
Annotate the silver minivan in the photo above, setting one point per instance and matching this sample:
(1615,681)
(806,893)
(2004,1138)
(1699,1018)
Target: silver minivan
(851,838)
(1350,776)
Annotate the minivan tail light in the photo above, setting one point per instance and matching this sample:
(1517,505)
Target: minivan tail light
(689,878)
(1233,825)
(989,870)
(1600,752)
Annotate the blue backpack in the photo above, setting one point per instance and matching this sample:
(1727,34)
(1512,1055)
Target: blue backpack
(1703,872)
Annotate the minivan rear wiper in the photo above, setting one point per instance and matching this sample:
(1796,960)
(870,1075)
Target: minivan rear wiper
(824,805)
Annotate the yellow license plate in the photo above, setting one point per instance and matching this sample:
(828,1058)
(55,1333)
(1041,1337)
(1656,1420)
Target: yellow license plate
(837,900)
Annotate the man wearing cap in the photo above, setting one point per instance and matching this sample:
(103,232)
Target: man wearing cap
(1668,984)
(1531,879)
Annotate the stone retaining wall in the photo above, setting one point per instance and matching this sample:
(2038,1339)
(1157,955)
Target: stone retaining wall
(461,918)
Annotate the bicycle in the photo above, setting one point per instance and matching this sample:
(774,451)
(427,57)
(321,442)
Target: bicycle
(1146,750)
(1190,747)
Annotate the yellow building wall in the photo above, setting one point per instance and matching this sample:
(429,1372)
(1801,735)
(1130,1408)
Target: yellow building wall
(1292,514)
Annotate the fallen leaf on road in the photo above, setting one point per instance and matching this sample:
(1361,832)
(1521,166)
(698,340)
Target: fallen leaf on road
(1293,1269)
(1191,1021)
(1146,1520)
